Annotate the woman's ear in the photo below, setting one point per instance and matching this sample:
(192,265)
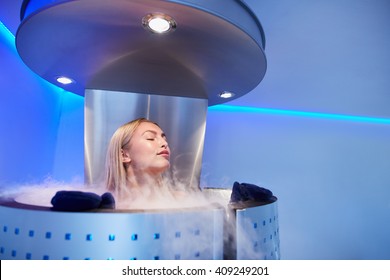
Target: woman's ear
(125,156)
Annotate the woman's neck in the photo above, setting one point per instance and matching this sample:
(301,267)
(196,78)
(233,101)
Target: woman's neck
(142,180)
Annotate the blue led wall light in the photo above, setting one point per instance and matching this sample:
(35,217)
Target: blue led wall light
(9,37)
(255,110)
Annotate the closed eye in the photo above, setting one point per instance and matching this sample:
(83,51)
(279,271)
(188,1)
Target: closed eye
(151,135)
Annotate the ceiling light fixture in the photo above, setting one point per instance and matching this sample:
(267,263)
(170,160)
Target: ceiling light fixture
(226,94)
(64,80)
(158,23)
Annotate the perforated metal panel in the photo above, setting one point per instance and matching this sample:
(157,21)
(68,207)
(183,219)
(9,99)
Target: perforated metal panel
(258,232)
(153,235)
(184,234)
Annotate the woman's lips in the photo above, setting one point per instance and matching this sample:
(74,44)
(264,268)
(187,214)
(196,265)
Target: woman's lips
(164,153)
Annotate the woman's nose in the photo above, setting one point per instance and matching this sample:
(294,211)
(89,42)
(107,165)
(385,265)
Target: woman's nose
(163,143)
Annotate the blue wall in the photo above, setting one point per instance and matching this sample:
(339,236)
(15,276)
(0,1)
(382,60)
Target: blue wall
(331,177)
(41,126)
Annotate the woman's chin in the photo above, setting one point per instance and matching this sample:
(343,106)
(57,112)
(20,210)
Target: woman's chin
(158,170)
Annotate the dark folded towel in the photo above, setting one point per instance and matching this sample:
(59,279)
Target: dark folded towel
(74,201)
(248,192)
(108,201)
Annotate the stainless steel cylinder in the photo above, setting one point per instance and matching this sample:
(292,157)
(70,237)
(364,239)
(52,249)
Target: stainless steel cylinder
(170,234)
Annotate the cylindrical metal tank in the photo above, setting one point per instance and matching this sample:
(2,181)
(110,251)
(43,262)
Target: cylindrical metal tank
(213,232)
(42,234)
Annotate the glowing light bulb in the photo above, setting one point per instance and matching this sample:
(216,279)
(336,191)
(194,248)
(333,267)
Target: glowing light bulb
(158,23)
(64,80)
(226,94)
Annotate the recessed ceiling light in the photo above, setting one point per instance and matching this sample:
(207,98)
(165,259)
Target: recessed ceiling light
(226,94)
(159,23)
(64,80)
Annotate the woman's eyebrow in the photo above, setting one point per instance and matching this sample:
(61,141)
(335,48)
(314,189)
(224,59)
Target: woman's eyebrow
(150,131)
(154,132)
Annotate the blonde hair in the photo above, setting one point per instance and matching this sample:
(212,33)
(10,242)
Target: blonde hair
(116,176)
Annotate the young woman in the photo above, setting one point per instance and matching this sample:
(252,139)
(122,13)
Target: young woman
(137,157)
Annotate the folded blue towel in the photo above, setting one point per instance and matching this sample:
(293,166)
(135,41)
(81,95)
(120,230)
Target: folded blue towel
(74,201)
(108,201)
(249,192)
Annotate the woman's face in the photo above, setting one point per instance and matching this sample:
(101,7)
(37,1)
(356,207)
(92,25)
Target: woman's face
(148,150)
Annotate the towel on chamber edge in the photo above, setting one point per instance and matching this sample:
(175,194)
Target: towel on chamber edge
(74,201)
